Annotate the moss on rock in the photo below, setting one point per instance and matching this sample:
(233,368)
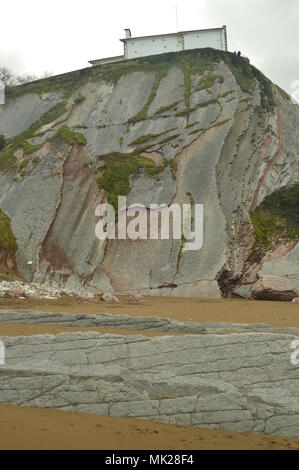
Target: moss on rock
(277,216)
(2,142)
(7,238)
(71,137)
(118,169)
(7,158)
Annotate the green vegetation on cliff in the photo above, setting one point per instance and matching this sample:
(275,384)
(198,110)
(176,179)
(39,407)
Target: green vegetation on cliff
(277,216)
(202,62)
(2,142)
(192,62)
(159,74)
(68,83)
(21,140)
(117,170)
(7,238)
(71,137)
(7,158)
(208,81)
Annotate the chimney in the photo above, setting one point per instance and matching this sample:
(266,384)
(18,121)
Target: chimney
(128,33)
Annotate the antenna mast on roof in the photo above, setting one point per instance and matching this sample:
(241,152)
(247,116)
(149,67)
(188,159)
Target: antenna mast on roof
(177,19)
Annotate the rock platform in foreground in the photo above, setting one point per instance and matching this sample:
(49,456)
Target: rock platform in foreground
(235,382)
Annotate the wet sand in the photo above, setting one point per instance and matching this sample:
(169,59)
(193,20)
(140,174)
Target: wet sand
(42,429)
(277,314)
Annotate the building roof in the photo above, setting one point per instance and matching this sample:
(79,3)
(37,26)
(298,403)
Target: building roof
(116,58)
(173,34)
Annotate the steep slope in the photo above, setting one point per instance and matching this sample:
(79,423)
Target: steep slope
(195,127)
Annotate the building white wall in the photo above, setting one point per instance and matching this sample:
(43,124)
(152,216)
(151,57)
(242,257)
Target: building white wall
(152,45)
(197,40)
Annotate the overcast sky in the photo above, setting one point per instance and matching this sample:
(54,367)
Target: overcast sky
(62,35)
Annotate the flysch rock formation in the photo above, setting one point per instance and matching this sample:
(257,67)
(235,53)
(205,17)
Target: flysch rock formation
(199,127)
(107,320)
(235,382)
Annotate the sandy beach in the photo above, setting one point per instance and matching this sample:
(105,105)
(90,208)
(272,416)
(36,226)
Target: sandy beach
(277,314)
(42,429)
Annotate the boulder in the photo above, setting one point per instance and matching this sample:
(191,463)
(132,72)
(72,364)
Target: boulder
(135,297)
(243,291)
(16,293)
(110,298)
(273,288)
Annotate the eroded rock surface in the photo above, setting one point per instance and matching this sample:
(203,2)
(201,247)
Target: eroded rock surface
(238,382)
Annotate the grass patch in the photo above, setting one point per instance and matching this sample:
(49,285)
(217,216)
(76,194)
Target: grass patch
(79,99)
(68,83)
(2,142)
(30,148)
(173,168)
(168,139)
(181,249)
(191,199)
(186,112)
(245,74)
(277,216)
(7,276)
(196,61)
(118,169)
(7,238)
(7,159)
(71,137)
(266,86)
(168,107)
(145,138)
(220,123)
(50,116)
(160,73)
(207,103)
(23,163)
(227,93)
(209,81)
(196,131)
(188,82)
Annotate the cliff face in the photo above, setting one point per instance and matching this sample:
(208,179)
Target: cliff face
(200,127)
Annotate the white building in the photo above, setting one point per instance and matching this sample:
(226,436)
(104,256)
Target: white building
(151,45)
